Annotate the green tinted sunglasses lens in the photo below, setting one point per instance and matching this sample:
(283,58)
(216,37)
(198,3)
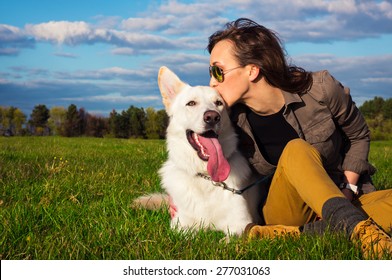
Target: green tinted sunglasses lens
(216,72)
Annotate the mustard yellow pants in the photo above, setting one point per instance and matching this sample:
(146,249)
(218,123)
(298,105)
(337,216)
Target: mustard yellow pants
(301,186)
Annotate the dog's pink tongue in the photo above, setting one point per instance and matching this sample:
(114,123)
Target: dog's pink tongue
(217,165)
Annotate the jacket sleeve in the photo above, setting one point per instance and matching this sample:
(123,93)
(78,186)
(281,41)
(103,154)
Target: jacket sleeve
(351,122)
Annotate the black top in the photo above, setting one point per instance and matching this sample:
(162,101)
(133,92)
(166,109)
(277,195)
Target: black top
(271,133)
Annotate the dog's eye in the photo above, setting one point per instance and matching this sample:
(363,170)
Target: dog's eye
(218,103)
(191,103)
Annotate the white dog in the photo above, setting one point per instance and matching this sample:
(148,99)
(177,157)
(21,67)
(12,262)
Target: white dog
(208,180)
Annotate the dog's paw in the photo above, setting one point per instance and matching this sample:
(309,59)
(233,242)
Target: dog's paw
(153,201)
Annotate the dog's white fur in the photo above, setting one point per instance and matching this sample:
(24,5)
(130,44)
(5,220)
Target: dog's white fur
(199,203)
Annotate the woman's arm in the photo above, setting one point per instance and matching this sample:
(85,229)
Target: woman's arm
(353,125)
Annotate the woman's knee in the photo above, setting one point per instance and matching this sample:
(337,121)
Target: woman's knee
(299,146)
(298,150)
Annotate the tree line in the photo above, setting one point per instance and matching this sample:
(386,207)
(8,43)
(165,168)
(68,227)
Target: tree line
(140,123)
(378,115)
(73,122)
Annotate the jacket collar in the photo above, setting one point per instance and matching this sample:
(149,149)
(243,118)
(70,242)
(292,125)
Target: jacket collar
(290,98)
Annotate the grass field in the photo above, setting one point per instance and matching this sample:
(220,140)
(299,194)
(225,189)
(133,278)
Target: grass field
(69,198)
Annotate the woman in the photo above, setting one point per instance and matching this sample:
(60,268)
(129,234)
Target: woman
(304,127)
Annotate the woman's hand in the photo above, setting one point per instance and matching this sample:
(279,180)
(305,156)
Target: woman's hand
(351,178)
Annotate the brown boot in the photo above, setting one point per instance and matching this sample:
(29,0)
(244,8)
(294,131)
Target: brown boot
(375,243)
(254,231)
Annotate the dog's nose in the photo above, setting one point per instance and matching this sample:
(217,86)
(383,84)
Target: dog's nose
(211,117)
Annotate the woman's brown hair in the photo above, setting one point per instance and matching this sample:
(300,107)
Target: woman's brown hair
(255,44)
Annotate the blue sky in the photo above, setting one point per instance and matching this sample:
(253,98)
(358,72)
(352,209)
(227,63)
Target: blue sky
(104,55)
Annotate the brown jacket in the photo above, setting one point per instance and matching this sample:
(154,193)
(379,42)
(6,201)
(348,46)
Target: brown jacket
(327,118)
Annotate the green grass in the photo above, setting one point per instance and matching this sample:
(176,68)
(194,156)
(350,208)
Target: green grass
(70,198)
(381,157)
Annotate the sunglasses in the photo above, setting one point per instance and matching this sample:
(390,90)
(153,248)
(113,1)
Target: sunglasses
(219,74)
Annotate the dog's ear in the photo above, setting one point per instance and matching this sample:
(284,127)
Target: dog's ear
(169,85)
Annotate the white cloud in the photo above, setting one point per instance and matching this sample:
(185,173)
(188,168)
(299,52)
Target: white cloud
(12,39)
(60,32)
(105,74)
(366,76)
(377,80)
(322,21)
(374,65)
(115,98)
(386,8)
(134,39)
(147,24)
(186,26)
(76,33)
(9,33)
(341,6)
(376,10)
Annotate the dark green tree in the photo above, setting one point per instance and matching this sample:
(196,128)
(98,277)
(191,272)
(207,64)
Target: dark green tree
(152,126)
(137,121)
(163,121)
(124,126)
(156,123)
(387,109)
(119,124)
(372,108)
(72,125)
(12,120)
(95,126)
(378,115)
(112,123)
(39,120)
